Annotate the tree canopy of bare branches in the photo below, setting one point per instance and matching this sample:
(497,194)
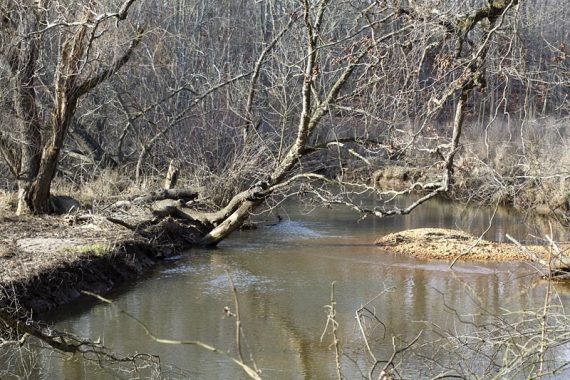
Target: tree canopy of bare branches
(257,101)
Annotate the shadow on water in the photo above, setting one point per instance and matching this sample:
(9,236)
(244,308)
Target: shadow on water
(283,275)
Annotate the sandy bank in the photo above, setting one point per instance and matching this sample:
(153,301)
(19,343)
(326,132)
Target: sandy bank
(444,244)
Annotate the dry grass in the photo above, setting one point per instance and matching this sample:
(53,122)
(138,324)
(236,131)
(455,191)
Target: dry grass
(108,184)
(8,202)
(527,166)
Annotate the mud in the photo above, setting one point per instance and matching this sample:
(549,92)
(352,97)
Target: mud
(49,261)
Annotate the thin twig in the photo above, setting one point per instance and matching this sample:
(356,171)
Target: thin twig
(331,321)
(468,250)
(248,370)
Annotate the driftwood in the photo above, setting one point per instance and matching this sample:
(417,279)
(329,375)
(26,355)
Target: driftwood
(184,194)
(558,263)
(164,204)
(216,224)
(172,204)
(178,210)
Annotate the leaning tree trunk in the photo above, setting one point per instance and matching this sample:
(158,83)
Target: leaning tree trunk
(240,207)
(231,223)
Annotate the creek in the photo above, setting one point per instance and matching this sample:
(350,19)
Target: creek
(283,275)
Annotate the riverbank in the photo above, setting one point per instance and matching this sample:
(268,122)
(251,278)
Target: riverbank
(445,244)
(48,261)
(481,184)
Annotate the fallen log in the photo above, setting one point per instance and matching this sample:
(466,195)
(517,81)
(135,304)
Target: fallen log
(187,194)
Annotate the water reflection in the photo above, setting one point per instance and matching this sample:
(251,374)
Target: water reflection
(283,275)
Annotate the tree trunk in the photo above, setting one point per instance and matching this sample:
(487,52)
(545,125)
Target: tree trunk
(171,175)
(26,112)
(231,223)
(37,173)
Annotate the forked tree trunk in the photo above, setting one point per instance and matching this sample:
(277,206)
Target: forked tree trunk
(34,194)
(26,112)
(61,120)
(36,173)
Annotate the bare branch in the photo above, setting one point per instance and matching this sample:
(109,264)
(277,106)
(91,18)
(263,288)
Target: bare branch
(93,82)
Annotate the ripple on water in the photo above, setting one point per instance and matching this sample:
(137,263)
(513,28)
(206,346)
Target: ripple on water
(183,268)
(267,237)
(291,229)
(242,281)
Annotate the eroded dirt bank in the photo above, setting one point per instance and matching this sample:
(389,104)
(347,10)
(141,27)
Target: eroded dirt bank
(48,261)
(444,244)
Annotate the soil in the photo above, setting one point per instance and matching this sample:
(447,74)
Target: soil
(47,261)
(444,244)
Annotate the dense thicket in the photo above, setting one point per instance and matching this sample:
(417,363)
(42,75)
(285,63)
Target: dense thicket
(228,88)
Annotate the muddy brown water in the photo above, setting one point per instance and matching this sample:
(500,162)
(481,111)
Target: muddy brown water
(283,275)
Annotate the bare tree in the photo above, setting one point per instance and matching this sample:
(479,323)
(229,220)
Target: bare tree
(344,64)
(39,32)
(287,94)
